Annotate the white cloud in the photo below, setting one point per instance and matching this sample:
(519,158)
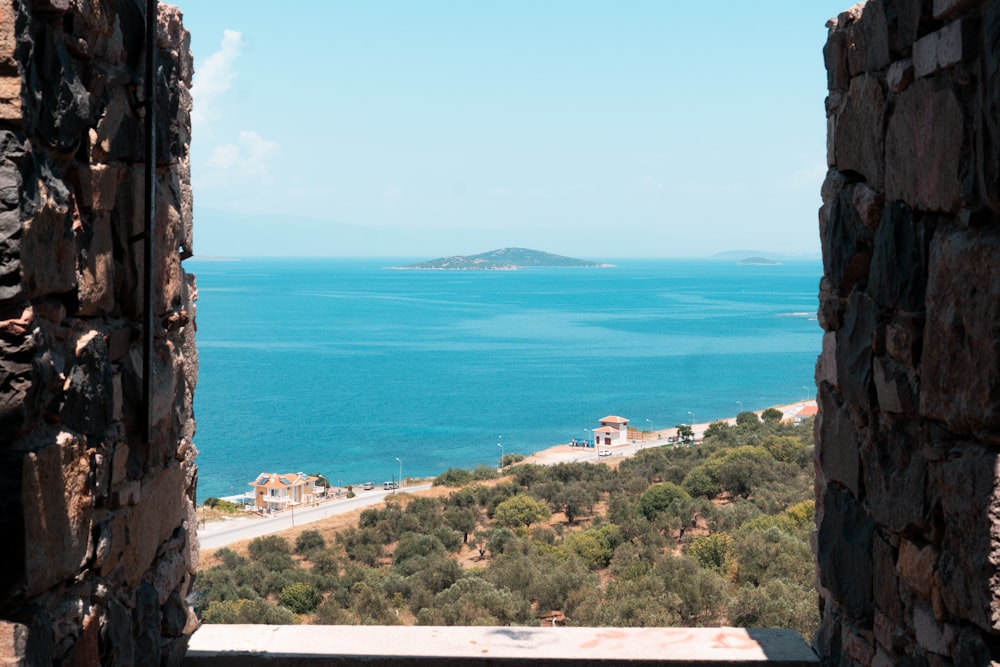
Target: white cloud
(395,192)
(249,158)
(214,76)
(807,177)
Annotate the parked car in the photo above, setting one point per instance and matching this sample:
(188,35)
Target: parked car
(389,486)
(368,486)
(604,452)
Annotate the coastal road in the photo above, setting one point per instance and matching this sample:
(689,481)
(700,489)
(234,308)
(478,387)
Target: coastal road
(217,534)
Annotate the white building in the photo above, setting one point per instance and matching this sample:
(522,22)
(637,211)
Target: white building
(613,431)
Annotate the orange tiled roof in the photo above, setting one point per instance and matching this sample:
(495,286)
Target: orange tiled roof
(605,429)
(614,420)
(808,411)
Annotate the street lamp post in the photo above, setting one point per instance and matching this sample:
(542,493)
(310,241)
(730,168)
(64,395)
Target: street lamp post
(650,422)
(693,420)
(500,467)
(400,473)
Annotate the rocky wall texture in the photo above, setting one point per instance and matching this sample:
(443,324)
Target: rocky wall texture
(97,523)
(908,499)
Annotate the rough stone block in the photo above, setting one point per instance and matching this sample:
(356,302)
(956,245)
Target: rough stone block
(835,56)
(152,522)
(931,635)
(10,99)
(957,41)
(860,143)
(960,366)
(869,204)
(858,646)
(885,585)
(898,273)
(839,456)
(95,277)
(8,38)
(903,18)
(900,75)
(944,48)
(96,186)
(988,111)
(925,60)
(868,41)
(890,636)
(923,148)
(87,392)
(966,488)
(893,388)
(895,474)
(57,512)
(826,366)
(903,339)
(48,245)
(845,554)
(26,645)
(846,244)
(18,347)
(944,8)
(117,133)
(917,566)
(855,342)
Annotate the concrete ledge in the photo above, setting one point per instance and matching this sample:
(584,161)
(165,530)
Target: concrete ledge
(314,645)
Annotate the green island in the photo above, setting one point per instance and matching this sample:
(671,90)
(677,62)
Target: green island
(715,533)
(758,261)
(504,259)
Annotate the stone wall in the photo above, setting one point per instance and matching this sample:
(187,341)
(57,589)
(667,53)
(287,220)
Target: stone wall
(908,502)
(97,523)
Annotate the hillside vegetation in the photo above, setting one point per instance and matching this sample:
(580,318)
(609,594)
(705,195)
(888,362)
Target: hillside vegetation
(712,534)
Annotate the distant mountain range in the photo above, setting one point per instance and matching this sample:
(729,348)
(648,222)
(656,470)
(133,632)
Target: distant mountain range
(504,259)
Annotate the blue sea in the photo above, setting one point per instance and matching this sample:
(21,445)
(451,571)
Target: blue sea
(341,367)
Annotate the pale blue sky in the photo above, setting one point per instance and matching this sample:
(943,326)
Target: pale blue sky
(586,128)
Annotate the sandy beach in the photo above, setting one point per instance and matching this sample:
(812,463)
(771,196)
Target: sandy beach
(567,453)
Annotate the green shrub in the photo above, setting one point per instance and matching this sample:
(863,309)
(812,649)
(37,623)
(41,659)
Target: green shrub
(713,552)
(481,472)
(309,540)
(257,612)
(702,482)
(271,552)
(453,477)
(520,510)
(772,415)
(300,598)
(595,546)
(659,497)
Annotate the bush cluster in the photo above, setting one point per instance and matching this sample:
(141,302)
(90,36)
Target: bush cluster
(695,535)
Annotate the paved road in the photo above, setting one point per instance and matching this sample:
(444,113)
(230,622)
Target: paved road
(221,533)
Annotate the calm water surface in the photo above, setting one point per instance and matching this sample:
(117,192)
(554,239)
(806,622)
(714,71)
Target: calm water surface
(341,366)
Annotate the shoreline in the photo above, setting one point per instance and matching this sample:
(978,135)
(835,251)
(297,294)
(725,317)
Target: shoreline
(566,453)
(553,455)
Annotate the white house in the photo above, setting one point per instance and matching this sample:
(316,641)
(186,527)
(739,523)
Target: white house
(613,431)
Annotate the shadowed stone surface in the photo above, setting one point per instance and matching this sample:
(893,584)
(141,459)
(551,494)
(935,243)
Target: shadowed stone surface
(98,560)
(909,545)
